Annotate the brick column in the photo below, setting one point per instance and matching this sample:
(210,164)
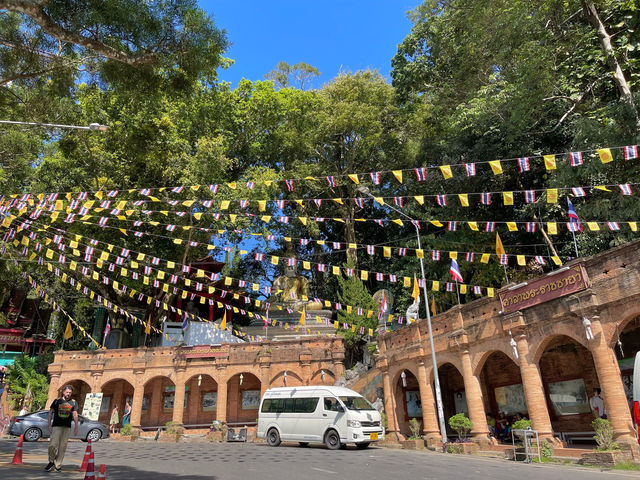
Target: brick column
(615,401)
(534,391)
(178,401)
(430,426)
(221,408)
(390,407)
(136,404)
(480,430)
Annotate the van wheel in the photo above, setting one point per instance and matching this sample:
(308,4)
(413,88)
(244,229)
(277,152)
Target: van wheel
(363,445)
(304,444)
(332,440)
(273,438)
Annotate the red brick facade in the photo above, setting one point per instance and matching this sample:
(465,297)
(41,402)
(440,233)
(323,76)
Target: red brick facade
(542,351)
(160,380)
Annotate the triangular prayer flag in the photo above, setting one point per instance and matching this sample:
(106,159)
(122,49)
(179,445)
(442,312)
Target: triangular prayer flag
(499,247)
(68,332)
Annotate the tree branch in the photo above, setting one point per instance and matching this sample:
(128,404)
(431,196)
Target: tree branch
(35,10)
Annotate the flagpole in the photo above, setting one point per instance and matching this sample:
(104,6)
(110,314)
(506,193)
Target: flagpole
(575,244)
(457,292)
(504,267)
(436,378)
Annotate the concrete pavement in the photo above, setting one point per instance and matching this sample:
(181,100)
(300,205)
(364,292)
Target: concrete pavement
(199,461)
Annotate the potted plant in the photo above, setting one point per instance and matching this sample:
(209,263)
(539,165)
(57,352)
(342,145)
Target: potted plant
(215,432)
(462,426)
(414,441)
(608,452)
(172,432)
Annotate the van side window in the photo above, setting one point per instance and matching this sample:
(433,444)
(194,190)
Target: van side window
(306,405)
(331,404)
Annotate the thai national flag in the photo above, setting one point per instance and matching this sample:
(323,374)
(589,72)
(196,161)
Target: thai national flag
(452,226)
(575,158)
(485,198)
(470,168)
(530,196)
(491,226)
(421,174)
(383,303)
(379,276)
(416,223)
(454,270)
(289,185)
(177,189)
(442,200)
(250,185)
(540,260)
(398,201)
(578,191)
(626,188)
(107,329)
(185,321)
(214,188)
(402,251)
(371,249)
(318,202)
(359,202)
(144,191)
(531,227)
(523,163)
(469,256)
(613,226)
(375,177)
(435,255)
(631,152)
(331,180)
(573,216)
(280,204)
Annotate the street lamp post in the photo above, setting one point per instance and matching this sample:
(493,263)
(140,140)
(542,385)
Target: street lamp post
(436,380)
(96,127)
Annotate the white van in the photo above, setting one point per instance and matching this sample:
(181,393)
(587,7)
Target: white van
(334,416)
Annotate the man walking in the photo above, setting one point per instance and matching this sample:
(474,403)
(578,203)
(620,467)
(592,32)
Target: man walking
(60,414)
(597,404)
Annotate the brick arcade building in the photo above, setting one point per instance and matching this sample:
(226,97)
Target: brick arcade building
(194,385)
(527,351)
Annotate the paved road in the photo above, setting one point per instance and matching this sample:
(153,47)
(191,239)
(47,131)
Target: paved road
(202,461)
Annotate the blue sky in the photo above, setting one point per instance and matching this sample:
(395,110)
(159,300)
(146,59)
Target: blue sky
(332,35)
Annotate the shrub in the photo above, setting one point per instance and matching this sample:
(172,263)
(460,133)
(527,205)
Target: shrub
(547,451)
(521,424)
(604,435)
(414,426)
(454,448)
(173,428)
(384,421)
(461,424)
(125,431)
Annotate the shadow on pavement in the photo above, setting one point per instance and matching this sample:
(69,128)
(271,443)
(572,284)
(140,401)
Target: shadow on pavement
(36,472)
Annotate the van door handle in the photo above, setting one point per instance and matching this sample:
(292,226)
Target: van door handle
(324,414)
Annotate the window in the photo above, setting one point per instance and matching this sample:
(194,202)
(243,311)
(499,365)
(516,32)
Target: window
(569,397)
(209,401)
(169,398)
(250,399)
(331,404)
(290,405)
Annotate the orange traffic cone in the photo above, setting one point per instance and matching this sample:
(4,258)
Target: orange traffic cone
(101,474)
(17,457)
(90,474)
(85,459)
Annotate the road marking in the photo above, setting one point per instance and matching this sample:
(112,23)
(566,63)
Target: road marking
(323,470)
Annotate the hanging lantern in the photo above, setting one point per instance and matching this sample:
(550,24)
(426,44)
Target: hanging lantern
(404,379)
(241,378)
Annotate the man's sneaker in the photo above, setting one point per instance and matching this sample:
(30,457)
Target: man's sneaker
(58,469)
(49,467)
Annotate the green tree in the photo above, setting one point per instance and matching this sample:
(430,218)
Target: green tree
(298,75)
(26,384)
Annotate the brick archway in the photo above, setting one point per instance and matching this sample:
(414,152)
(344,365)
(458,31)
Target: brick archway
(329,377)
(539,346)
(115,392)
(202,400)
(243,398)
(408,401)
(157,402)
(481,357)
(453,391)
(293,380)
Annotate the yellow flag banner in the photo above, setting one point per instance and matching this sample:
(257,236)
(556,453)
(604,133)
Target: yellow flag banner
(68,333)
(499,247)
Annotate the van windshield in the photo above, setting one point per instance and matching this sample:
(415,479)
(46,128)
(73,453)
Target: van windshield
(356,403)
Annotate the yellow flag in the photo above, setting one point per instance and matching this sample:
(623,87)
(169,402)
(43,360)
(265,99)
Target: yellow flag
(419,199)
(446,171)
(552,228)
(262,205)
(147,328)
(224,204)
(68,333)
(521,260)
(386,251)
(496,167)
(435,285)
(223,324)
(499,247)
(473,226)
(302,315)
(507,197)
(354,178)
(416,290)
(512,226)
(464,199)
(550,162)
(605,155)
(552,195)
(398,175)
(433,306)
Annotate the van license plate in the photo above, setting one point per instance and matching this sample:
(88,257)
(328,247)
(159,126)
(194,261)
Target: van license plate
(373,436)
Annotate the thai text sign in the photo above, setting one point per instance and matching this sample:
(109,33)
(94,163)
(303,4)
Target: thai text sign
(206,351)
(11,338)
(544,289)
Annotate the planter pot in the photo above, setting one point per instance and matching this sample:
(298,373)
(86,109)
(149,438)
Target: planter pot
(412,444)
(170,437)
(606,459)
(215,436)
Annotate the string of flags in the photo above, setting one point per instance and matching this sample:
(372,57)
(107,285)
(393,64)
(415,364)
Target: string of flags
(199,207)
(102,258)
(524,164)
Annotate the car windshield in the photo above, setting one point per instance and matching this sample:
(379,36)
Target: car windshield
(356,403)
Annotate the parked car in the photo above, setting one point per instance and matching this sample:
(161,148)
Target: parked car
(34,426)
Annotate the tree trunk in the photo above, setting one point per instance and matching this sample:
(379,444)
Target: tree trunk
(605,43)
